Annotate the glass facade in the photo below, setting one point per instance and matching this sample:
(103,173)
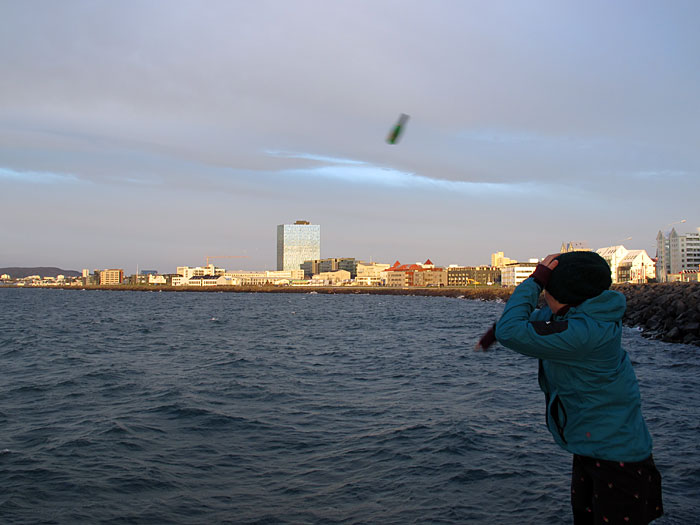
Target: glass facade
(297,243)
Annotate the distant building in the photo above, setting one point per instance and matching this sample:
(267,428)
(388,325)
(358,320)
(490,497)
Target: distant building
(371,274)
(635,267)
(243,278)
(574,246)
(686,276)
(317,266)
(613,255)
(676,253)
(515,273)
(199,271)
(498,260)
(111,276)
(208,280)
(466,275)
(332,278)
(297,243)
(406,275)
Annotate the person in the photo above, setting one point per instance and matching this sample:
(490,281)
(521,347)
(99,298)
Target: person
(593,406)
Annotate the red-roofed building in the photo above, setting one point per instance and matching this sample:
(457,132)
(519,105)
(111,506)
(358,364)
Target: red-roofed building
(405,275)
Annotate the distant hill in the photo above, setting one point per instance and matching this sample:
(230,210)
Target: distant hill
(44,271)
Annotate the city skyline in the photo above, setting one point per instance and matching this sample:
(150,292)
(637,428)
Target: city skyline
(154,134)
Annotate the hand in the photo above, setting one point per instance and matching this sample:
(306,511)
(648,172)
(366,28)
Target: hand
(487,339)
(551,261)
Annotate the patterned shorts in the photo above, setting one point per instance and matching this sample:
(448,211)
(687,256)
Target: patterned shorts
(615,491)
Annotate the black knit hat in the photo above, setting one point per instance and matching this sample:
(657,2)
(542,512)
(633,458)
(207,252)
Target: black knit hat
(579,276)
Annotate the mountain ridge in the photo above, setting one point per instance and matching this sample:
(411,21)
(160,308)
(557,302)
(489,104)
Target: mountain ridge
(19,272)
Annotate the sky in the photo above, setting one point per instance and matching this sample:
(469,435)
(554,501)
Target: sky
(151,134)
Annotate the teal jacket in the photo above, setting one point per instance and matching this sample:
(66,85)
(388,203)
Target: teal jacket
(593,402)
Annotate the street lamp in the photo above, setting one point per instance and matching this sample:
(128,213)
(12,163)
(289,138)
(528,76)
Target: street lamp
(677,222)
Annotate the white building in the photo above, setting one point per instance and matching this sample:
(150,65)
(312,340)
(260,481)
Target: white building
(636,267)
(199,271)
(208,280)
(613,255)
(156,279)
(371,274)
(248,278)
(515,273)
(332,278)
(676,253)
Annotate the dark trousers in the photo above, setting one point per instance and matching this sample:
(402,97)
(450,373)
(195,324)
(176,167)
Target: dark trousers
(615,491)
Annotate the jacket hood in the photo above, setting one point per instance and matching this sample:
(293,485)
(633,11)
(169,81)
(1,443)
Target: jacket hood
(608,306)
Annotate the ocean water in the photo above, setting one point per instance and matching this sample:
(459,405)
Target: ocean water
(134,407)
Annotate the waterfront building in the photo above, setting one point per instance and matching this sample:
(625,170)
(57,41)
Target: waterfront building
(676,253)
(406,275)
(515,273)
(297,243)
(310,268)
(111,276)
(371,274)
(635,267)
(466,275)
(199,271)
(209,280)
(686,276)
(498,260)
(333,278)
(663,257)
(613,255)
(684,251)
(430,277)
(247,278)
(317,266)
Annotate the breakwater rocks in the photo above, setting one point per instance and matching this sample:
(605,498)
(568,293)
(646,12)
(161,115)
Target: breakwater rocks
(666,311)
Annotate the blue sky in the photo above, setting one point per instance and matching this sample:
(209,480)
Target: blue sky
(155,133)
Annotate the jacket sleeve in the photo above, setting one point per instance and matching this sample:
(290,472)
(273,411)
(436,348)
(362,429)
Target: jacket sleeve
(523,329)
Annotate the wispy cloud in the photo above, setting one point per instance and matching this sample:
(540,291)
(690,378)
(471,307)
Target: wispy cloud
(362,173)
(37,177)
(310,156)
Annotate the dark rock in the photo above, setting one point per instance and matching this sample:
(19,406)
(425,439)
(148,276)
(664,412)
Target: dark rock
(691,326)
(667,311)
(674,334)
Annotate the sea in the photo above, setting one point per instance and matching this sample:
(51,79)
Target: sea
(295,408)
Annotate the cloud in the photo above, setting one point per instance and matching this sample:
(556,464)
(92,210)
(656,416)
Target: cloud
(363,173)
(37,177)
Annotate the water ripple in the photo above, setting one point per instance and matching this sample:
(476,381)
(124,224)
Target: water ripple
(126,408)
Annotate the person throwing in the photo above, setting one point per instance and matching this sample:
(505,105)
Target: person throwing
(593,405)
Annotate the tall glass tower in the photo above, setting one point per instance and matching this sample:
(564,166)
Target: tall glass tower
(297,243)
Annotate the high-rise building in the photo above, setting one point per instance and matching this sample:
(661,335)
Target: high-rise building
(297,243)
(677,253)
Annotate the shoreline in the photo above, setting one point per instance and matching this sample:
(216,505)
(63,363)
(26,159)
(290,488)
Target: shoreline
(484,293)
(666,311)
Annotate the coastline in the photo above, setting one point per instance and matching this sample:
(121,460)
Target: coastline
(666,311)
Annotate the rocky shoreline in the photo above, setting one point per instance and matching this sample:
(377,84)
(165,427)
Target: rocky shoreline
(666,311)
